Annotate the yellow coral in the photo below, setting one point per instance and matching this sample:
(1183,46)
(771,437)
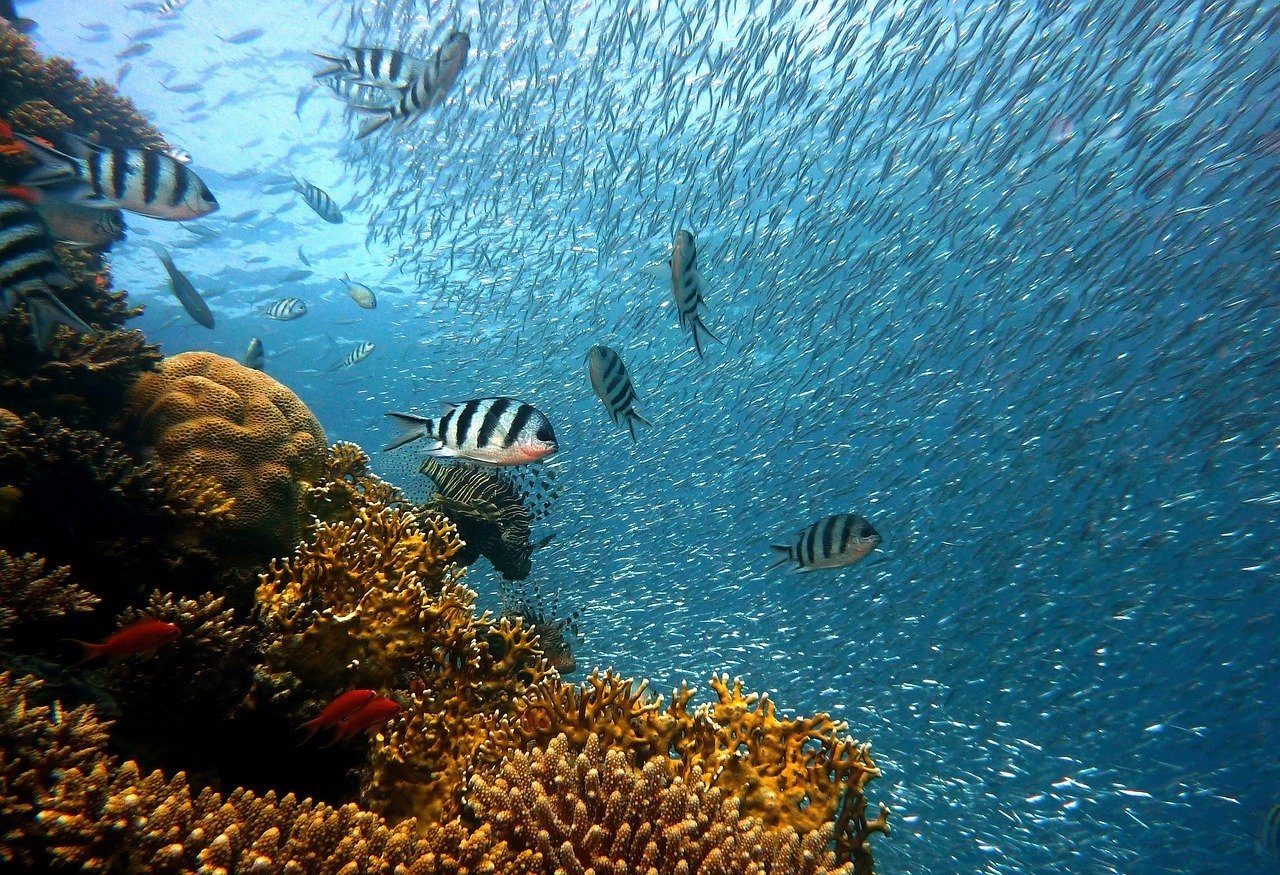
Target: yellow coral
(214,416)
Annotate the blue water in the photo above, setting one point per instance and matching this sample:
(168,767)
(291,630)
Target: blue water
(1047,372)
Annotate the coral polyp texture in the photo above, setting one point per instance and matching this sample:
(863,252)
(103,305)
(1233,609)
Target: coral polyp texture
(216,417)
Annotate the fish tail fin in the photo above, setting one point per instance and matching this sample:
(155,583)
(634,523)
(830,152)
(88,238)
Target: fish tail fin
(52,167)
(784,558)
(697,325)
(632,417)
(372,124)
(46,313)
(88,651)
(334,64)
(412,427)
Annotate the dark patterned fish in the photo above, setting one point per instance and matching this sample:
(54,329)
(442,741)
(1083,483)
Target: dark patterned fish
(543,616)
(612,383)
(319,200)
(494,431)
(30,272)
(429,89)
(144,181)
(687,287)
(834,542)
(357,355)
(287,309)
(184,290)
(372,65)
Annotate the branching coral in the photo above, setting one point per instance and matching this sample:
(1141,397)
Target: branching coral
(346,483)
(32,593)
(593,810)
(222,420)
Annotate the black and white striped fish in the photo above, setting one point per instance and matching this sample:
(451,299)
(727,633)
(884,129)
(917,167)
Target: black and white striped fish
(319,201)
(834,542)
(361,96)
(687,286)
(612,383)
(255,356)
(357,355)
(287,309)
(143,181)
(183,289)
(30,272)
(427,90)
(493,431)
(372,65)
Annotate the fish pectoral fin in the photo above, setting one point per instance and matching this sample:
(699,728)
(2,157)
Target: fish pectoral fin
(440,451)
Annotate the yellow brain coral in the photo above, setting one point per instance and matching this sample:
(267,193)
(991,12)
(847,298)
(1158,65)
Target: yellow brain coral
(216,417)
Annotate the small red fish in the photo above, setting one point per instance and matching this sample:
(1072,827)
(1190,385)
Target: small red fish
(6,132)
(375,713)
(338,710)
(139,637)
(23,193)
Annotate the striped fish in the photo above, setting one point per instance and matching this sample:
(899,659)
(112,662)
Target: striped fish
(612,383)
(428,90)
(687,286)
(360,96)
(143,181)
(357,355)
(833,542)
(30,272)
(287,309)
(372,65)
(183,289)
(319,201)
(255,356)
(494,431)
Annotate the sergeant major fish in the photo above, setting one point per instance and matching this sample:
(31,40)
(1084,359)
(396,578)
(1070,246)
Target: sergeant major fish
(183,289)
(612,383)
(833,542)
(494,431)
(144,181)
(287,309)
(357,355)
(372,65)
(429,89)
(319,201)
(29,270)
(687,286)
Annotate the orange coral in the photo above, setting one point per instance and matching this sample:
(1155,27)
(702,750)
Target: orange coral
(30,592)
(239,426)
(345,483)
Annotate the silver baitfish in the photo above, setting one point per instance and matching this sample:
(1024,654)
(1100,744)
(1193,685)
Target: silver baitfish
(319,201)
(357,355)
(612,383)
(287,309)
(687,286)
(372,65)
(144,181)
(255,356)
(360,293)
(29,270)
(834,542)
(183,289)
(494,431)
(428,90)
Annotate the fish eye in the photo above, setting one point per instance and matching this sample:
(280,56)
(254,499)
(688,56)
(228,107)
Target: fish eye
(545,434)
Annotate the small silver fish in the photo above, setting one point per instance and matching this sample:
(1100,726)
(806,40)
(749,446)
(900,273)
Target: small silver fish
(244,36)
(254,357)
(133,50)
(287,309)
(360,293)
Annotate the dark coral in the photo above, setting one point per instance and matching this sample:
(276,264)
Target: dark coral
(35,594)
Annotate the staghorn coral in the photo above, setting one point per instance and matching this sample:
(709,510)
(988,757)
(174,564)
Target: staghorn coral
(593,810)
(542,614)
(345,483)
(239,426)
(64,801)
(33,594)
(84,501)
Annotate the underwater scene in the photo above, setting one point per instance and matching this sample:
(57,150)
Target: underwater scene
(600,436)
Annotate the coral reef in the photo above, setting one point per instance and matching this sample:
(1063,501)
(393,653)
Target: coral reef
(542,614)
(216,417)
(593,810)
(33,594)
(346,483)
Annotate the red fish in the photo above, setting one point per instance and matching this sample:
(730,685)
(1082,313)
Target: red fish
(139,637)
(375,713)
(6,132)
(21,192)
(338,710)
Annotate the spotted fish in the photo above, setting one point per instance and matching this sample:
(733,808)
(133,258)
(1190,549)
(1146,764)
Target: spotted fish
(143,181)
(833,542)
(687,286)
(612,383)
(493,431)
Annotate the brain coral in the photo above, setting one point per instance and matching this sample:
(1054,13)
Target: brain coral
(210,414)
